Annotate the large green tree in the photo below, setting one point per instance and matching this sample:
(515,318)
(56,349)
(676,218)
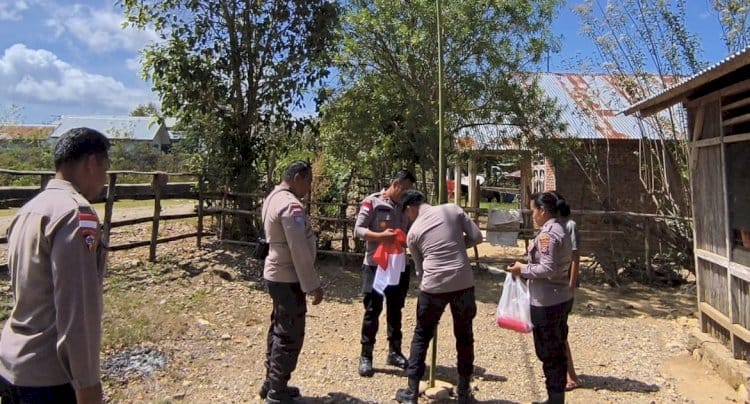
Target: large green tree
(385,111)
(232,70)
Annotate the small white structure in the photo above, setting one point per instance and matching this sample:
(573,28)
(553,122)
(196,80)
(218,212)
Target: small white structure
(119,128)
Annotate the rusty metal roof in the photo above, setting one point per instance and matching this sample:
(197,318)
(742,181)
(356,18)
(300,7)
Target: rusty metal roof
(680,91)
(590,107)
(25,131)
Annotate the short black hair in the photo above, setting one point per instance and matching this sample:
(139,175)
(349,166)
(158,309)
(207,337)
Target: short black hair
(411,197)
(297,167)
(404,175)
(78,143)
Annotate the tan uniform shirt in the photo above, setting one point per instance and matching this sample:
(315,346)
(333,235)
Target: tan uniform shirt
(549,260)
(378,213)
(291,241)
(438,240)
(56,261)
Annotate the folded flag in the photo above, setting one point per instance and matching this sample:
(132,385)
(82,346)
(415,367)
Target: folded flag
(391,260)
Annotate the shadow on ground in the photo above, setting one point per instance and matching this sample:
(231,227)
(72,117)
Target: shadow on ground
(341,280)
(611,383)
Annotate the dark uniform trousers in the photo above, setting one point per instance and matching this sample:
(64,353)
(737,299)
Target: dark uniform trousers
(395,296)
(63,394)
(550,334)
(430,307)
(286,333)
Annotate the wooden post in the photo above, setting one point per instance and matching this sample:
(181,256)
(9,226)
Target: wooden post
(109,207)
(221,212)
(200,211)
(473,189)
(45,179)
(647,247)
(457,183)
(160,179)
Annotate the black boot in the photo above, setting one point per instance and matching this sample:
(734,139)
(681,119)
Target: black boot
(553,398)
(395,357)
(266,387)
(281,394)
(464,390)
(365,362)
(409,395)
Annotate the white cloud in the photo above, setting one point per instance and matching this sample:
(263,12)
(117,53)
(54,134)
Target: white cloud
(133,64)
(11,10)
(39,76)
(100,29)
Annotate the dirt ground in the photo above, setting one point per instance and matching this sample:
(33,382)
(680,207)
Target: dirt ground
(199,317)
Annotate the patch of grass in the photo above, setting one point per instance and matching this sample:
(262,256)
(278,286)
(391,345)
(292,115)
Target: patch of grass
(497,205)
(198,297)
(131,203)
(134,315)
(8,212)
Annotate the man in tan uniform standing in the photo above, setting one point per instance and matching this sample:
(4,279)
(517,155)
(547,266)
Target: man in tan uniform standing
(289,275)
(49,347)
(380,214)
(438,239)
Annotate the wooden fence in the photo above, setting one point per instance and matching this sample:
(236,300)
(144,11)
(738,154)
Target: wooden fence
(159,189)
(608,238)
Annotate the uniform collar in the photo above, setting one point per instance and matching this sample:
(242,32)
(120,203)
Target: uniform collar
(57,183)
(549,223)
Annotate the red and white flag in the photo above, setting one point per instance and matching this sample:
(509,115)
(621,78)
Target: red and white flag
(391,260)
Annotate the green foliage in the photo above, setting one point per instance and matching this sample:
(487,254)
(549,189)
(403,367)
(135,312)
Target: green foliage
(25,155)
(230,70)
(149,109)
(733,17)
(385,114)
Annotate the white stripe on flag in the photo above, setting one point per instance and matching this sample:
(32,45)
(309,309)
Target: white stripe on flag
(89,224)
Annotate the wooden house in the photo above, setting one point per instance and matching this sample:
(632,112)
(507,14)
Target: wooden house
(718,107)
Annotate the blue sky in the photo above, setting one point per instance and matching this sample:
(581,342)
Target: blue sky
(60,57)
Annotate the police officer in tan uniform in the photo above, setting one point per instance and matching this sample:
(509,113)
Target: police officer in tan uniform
(438,239)
(547,270)
(379,215)
(49,347)
(290,275)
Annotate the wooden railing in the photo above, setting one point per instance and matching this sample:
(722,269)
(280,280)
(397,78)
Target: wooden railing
(159,189)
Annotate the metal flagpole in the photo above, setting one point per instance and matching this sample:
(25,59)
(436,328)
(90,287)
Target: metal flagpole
(442,194)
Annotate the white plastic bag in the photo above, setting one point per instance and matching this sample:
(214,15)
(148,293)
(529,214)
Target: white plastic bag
(514,308)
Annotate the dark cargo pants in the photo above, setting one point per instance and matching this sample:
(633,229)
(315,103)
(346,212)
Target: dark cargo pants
(11,394)
(286,333)
(550,335)
(430,308)
(395,296)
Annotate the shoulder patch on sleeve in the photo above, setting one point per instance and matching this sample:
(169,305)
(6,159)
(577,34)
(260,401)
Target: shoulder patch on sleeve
(544,240)
(366,206)
(88,227)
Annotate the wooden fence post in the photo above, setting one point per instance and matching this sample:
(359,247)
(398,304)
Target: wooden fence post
(200,211)
(160,179)
(108,207)
(45,179)
(221,212)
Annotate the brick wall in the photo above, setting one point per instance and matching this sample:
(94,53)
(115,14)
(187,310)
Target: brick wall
(610,182)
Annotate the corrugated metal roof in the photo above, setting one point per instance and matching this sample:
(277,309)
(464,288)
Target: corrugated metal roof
(26,131)
(590,105)
(116,127)
(679,91)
